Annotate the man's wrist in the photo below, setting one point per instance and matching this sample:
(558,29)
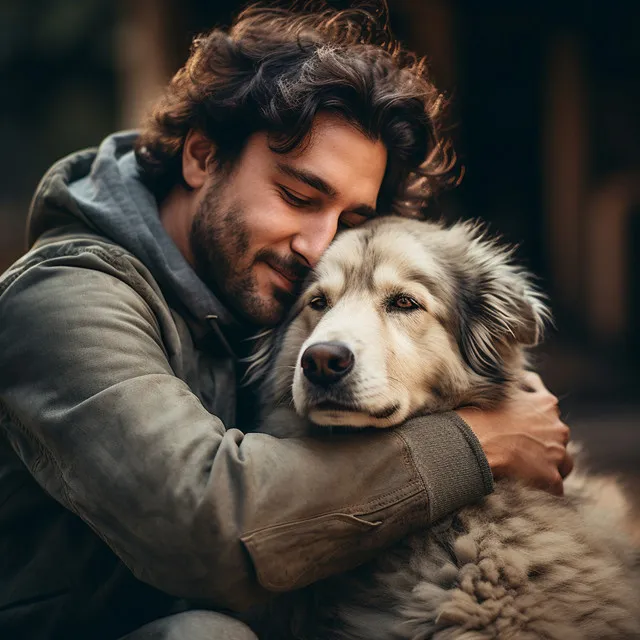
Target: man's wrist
(474,418)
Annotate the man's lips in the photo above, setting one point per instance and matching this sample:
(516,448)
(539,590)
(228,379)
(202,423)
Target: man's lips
(290,280)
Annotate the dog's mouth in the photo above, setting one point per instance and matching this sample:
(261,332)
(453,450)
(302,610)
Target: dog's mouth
(333,412)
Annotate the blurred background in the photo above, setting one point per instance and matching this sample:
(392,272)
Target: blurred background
(545,114)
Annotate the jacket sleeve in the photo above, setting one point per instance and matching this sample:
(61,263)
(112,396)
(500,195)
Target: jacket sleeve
(94,410)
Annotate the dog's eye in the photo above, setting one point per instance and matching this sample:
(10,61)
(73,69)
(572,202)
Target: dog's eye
(403,303)
(318,303)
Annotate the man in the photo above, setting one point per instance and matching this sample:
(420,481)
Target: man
(130,489)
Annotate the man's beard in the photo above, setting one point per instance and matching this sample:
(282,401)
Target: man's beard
(220,241)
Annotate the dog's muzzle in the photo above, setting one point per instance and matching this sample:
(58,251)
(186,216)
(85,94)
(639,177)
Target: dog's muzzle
(326,363)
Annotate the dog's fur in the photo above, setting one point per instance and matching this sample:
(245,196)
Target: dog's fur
(520,564)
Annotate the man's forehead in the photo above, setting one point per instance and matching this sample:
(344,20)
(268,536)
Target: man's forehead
(341,156)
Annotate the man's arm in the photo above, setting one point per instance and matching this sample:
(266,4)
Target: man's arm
(98,416)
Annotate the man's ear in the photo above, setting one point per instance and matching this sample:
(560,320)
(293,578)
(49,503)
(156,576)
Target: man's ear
(197,155)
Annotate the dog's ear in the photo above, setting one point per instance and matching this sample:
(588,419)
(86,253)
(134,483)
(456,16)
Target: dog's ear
(499,310)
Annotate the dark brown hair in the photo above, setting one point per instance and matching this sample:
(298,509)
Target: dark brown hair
(274,70)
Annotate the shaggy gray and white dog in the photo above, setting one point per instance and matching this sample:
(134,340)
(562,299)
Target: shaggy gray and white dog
(403,318)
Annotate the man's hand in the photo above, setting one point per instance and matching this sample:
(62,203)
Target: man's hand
(524,438)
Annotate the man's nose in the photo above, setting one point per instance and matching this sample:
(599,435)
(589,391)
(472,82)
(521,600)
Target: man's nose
(314,238)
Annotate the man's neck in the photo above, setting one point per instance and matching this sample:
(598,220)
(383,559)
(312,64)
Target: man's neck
(176,215)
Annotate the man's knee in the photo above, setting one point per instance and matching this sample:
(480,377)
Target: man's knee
(193,625)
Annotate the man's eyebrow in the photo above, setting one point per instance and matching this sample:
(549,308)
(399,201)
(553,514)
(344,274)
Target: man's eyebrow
(364,210)
(313,180)
(317,183)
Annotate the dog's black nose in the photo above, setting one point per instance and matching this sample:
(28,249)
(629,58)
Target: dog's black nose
(324,363)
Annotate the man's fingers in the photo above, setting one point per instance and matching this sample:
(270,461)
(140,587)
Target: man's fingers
(552,484)
(566,466)
(557,488)
(533,381)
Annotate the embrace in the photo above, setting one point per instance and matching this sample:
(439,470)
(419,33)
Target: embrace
(140,496)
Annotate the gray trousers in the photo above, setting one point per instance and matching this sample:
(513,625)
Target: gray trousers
(193,625)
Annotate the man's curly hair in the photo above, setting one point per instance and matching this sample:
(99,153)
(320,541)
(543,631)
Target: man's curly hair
(275,70)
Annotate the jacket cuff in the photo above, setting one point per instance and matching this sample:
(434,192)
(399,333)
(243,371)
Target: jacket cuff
(450,461)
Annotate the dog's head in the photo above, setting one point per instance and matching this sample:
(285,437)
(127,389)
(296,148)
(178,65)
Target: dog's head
(403,317)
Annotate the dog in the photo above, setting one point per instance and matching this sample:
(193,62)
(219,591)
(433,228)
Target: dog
(403,318)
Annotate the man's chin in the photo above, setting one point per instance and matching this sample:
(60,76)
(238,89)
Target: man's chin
(265,313)
(267,321)
(269,308)
(259,301)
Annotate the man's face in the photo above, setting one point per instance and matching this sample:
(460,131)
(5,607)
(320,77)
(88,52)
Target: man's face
(259,229)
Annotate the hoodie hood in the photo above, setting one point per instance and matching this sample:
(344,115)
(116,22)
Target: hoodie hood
(102,190)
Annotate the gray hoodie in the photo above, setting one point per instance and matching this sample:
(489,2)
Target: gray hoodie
(127,481)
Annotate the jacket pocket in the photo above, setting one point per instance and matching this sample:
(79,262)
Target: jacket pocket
(293,555)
